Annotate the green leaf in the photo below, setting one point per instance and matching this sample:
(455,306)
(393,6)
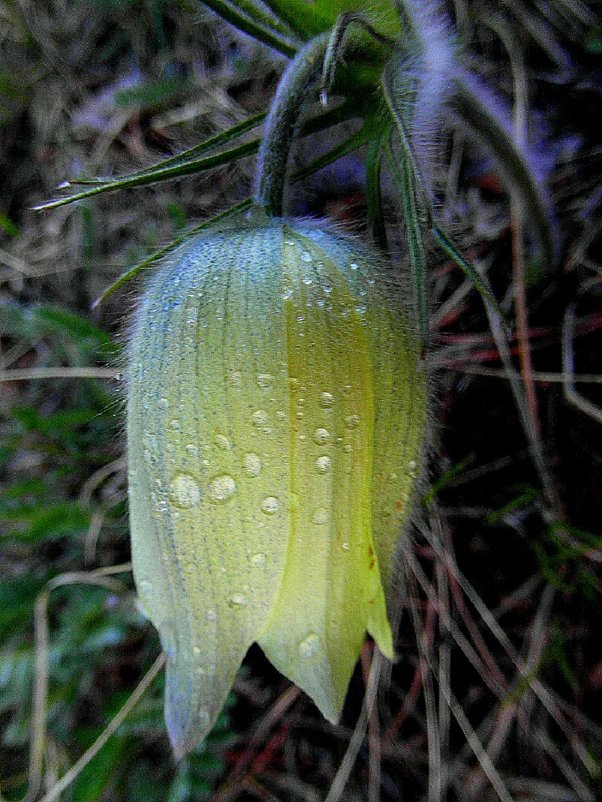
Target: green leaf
(100,772)
(404,179)
(203,148)
(36,522)
(253,24)
(7,225)
(158,174)
(479,282)
(151,95)
(376,220)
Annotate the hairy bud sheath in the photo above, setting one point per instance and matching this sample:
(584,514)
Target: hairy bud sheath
(276,422)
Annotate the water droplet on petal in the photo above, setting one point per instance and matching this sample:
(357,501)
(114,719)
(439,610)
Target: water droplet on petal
(321,436)
(260,418)
(251,465)
(270,505)
(326,400)
(222,442)
(184,491)
(221,488)
(323,464)
(321,516)
(310,645)
(237,600)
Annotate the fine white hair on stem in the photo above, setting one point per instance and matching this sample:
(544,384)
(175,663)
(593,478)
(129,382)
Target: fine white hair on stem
(428,60)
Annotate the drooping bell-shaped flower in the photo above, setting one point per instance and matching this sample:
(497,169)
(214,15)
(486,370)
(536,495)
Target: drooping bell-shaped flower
(276,421)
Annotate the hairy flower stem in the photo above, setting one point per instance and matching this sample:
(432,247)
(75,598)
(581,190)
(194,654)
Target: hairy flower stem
(282,123)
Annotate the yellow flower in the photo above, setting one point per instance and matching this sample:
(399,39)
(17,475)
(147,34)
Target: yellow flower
(276,421)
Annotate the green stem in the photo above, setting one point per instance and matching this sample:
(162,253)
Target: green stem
(283,121)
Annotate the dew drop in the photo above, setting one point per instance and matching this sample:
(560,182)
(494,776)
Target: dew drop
(310,645)
(251,465)
(260,418)
(348,448)
(235,378)
(270,505)
(306,257)
(307,280)
(413,469)
(192,450)
(326,400)
(196,650)
(321,516)
(353,266)
(203,717)
(221,488)
(222,442)
(163,403)
(184,491)
(321,436)
(211,615)
(265,379)
(237,600)
(352,421)
(323,464)
(345,546)
(257,559)
(175,425)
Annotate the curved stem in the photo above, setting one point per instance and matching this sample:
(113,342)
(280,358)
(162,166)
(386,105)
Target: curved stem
(282,123)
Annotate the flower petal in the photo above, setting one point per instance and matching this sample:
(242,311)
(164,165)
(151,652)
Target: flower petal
(208,439)
(332,591)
